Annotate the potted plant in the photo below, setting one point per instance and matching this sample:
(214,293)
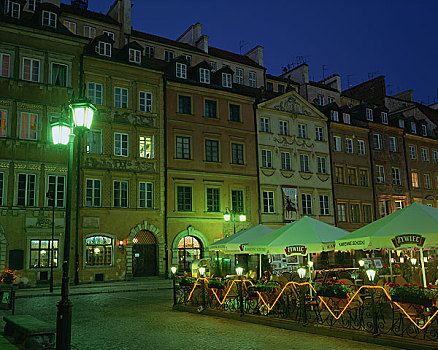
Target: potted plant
(185,280)
(412,294)
(266,288)
(332,289)
(7,277)
(216,283)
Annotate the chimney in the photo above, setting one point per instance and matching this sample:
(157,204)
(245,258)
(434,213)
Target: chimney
(192,35)
(256,54)
(81,4)
(299,74)
(120,10)
(333,81)
(407,95)
(202,43)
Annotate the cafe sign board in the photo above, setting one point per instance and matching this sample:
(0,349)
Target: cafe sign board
(408,239)
(295,249)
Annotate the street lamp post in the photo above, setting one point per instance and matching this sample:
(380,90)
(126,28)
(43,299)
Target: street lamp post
(51,196)
(232,215)
(80,116)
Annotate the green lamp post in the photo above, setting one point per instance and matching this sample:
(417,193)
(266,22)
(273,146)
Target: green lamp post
(233,215)
(80,116)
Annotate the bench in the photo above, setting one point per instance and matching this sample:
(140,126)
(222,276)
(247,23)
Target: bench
(34,333)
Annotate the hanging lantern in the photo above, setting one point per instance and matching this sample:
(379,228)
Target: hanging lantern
(82,111)
(61,131)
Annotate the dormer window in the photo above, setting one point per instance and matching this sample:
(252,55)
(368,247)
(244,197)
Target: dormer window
(49,19)
(334,115)
(384,116)
(346,118)
(13,9)
(401,123)
(181,70)
(369,113)
(204,76)
(413,128)
(33,4)
(423,130)
(188,58)
(134,56)
(226,80)
(103,49)
(320,100)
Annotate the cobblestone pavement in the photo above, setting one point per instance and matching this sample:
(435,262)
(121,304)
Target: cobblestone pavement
(145,320)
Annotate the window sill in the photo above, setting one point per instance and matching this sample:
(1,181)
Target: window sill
(212,162)
(238,164)
(185,114)
(186,159)
(94,267)
(235,121)
(210,118)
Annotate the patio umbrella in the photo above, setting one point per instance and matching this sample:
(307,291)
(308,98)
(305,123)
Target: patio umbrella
(415,226)
(235,244)
(302,237)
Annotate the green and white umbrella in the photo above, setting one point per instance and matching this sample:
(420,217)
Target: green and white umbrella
(236,244)
(301,237)
(415,226)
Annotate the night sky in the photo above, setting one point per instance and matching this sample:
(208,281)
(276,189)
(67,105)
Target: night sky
(357,39)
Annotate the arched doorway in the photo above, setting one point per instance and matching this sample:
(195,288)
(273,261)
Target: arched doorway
(144,254)
(189,249)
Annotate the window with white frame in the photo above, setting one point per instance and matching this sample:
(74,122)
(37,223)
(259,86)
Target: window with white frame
(346,118)
(319,132)
(306,203)
(149,51)
(424,130)
(212,150)
(349,145)
(146,147)
(334,115)
(285,161)
(182,147)
(380,174)
(266,158)
(103,49)
(40,253)
(94,141)
(5,65)
(2,186)
(168,55)
(226,80)
(302,131)
(28,126)
(268,202)
(204,75)
(401,123)
(121,144)
(337,143)
(59,74)
(304,163)
(99,251)
(413,128)
(89,32)
(393,144)
(145,102)
(239,76)
(13,8)
(320,100)
(330,99)
(377,138)
(109,34)
(213,199)
(341,213)
(434,152)
(424,154)
(322,168)
(384,117)
(237,153)
(146,195)
(120,97)
(120,194)
(188,59)
(33,4)
(56,188)
(265,125)
(184,198)
(31,69)
(134,56)
(284,127)
(324,208)
(181,70)
(26,190)
(95,93)
(49,19)
(361,147)
(3,123)
(413,152)
(213,66)
(369,113)
(93,190)
(396,179)
(427,183)
(253,79)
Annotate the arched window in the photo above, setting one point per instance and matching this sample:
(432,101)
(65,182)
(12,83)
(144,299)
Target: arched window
(98,251)
(189,249)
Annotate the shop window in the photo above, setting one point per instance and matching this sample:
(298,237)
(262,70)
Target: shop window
(98,251)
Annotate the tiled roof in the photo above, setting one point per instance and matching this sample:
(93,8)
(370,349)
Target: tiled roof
(322,86)
(373,90)
(283,80)
(74,10)
(432,114)
(227,55)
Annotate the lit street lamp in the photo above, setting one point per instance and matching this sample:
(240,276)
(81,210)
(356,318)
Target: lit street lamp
(233,215)
(80,117)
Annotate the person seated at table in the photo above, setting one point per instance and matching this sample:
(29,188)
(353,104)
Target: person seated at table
(252,275)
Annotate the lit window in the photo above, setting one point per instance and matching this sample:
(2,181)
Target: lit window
(120,194)
(95,93)
(134,56)
(415,182)
(120,97)
(28,126)
(146,195)
(31,69)
(5,65)
(226,80)
(3,123)
(121,144)
(93,189)
(41,253)
(49,19)
(71,26)
(339,174)
(94,141)
(90,32)
(204,76)
(59,74)
(268,202)
(145,102)
(99,251)
(346,118)
(253,79)
(146,147)
(26,190)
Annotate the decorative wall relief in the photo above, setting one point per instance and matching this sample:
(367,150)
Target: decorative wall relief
(119,164)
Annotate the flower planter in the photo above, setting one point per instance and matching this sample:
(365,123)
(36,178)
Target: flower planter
(408,299)
(263,289)
(332,295)
(216,286)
